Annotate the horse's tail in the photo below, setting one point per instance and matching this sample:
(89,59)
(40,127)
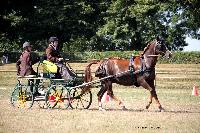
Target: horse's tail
(88,74)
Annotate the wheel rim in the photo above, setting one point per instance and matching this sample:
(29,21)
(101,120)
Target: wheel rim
(80,100)
(57,97)
(22,97)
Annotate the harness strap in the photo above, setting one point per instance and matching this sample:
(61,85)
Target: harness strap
(142,70)
(132,69)
(102,69)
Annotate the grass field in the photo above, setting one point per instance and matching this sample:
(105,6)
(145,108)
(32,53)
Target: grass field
(174,87)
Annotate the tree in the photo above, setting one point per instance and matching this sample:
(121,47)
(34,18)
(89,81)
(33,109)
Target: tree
(142,20)
(98,25)
(180,18)
(12,15)
(72,21)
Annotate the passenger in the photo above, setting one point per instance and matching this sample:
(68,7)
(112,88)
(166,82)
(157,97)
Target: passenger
(53,55)
(25,62)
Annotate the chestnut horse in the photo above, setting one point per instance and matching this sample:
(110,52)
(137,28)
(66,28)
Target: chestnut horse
(140,71)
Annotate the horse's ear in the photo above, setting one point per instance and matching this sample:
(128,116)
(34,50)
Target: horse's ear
(158,38)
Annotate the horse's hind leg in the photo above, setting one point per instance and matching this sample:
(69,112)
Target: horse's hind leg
(100,95)
(107,86)
(110,93)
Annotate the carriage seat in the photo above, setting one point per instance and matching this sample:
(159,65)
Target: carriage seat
(50,70)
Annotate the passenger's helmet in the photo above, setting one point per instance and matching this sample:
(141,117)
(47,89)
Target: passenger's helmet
(52,39)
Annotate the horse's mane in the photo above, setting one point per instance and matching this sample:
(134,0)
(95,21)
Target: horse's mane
(147,47)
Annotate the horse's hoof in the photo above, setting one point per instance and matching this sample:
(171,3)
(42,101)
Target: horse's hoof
(124,108)
(101,109)
(161,109)
(147,107)
(146,110)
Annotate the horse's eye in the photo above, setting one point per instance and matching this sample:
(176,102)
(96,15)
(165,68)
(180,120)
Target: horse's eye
(159,46)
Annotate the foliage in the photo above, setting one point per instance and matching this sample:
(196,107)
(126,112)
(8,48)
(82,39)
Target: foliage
(85,25)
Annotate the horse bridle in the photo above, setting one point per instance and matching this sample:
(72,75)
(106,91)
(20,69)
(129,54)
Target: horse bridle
(159,46)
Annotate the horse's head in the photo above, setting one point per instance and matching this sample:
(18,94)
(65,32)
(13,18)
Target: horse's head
(161,48)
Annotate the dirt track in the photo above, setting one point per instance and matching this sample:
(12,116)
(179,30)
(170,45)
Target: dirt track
(179,117)
(182,110)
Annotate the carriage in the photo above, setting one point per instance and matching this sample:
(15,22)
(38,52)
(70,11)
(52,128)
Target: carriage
(55,93)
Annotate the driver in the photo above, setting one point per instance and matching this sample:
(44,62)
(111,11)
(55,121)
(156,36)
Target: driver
(53,55)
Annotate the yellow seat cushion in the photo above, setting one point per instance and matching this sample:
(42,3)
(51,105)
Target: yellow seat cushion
(49,67)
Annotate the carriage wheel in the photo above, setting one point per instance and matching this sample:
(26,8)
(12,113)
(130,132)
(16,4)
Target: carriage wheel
(22,97)
(57,96)
(80,99)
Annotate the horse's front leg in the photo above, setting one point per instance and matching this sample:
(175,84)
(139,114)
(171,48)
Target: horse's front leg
(111,94)
(150,86)
(150,101)
(145,85)
(154,95)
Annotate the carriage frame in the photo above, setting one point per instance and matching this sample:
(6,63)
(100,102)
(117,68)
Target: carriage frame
(57,94)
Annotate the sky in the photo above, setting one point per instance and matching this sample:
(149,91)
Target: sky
(193,44)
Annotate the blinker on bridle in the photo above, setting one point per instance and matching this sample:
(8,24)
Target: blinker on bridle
(158,44)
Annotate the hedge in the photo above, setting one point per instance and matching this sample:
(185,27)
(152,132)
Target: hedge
(182,58)
(177,58)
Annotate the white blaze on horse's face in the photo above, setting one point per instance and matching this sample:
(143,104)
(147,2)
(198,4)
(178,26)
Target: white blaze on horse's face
(161,49)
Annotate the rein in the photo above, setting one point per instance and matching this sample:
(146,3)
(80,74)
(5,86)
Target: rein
(144,64)
(154,52)
(153,55)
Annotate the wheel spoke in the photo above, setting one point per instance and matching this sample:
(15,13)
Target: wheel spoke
(56,97)
(80,100)
(22,97)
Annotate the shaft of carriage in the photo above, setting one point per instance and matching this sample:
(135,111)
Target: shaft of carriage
(101,79)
